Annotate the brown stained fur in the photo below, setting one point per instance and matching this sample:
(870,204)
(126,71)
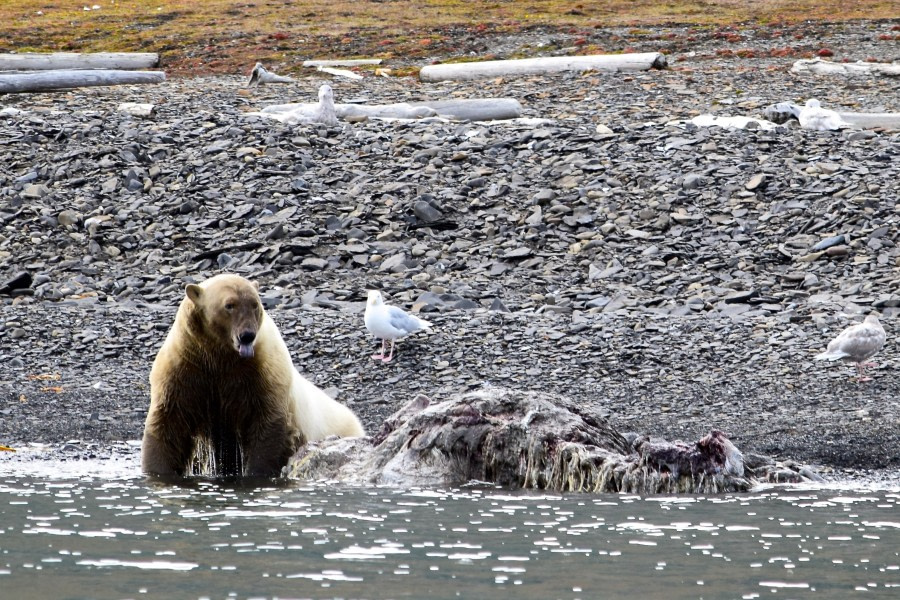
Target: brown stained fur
(206,400)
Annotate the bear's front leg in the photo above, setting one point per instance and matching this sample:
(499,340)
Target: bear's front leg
(270,450)
(165,459)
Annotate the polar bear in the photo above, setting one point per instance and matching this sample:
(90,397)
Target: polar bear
(224,392)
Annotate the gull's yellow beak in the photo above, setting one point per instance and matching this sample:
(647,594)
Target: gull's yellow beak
(7,448)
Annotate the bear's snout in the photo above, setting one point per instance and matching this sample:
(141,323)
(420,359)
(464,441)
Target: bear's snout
(245,343)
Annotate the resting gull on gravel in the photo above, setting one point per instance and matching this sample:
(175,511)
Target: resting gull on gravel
(813,116)
(389,323)
(857,344)
(304,114)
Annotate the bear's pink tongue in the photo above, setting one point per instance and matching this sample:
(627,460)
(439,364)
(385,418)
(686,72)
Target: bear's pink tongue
(245,350)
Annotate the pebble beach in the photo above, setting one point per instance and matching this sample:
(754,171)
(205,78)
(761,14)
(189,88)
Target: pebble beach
(600,248)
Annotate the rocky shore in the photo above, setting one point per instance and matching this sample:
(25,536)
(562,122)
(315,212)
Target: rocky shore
(680,277)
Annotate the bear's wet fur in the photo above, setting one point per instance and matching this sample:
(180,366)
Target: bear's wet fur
(226,399)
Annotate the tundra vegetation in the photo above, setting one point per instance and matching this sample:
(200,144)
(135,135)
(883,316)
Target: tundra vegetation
(222,36)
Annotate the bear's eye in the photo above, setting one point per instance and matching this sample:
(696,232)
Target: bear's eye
(229,306)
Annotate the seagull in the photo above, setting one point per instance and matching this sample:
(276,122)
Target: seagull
(389,323)
(325,112)
(813,116)
(857,344)
(304,114)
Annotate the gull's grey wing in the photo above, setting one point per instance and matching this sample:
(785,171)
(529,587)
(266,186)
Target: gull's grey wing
(399,319)
(858,343)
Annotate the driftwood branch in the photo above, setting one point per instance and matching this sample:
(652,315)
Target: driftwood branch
(34,61)
(785,111)
(340,72)
(475,109)
(544,65)
(817,66)
(260,75)
(872,120)
(43,81)
(349,62)
(486,109)
(305,112)
(137,109)
(728,122)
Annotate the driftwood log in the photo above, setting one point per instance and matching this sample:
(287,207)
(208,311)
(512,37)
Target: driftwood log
(137,109)
(785,111)
(306,112)
(486,109)
(543,65)
(339,72)
(475,109)
(346,62)
(35,61)
(43,81)
(872,120)
(259,75)
(532,440)
(728,122)
(817,66)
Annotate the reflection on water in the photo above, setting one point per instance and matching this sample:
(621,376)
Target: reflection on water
(104,533)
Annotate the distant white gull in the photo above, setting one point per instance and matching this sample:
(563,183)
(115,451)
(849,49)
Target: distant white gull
(304,114)
(857,344)
(813,116)
(325,111)
(389,323)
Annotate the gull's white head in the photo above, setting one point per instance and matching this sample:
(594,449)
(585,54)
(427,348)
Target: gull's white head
(813,103)
(375,298)
(325,93)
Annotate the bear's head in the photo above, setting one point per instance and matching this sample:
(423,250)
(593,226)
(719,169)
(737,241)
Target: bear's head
(230,311)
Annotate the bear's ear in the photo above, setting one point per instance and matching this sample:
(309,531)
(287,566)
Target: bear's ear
(193,292)
(255,285)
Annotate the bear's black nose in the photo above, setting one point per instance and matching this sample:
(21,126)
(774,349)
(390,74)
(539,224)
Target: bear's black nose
(247,337)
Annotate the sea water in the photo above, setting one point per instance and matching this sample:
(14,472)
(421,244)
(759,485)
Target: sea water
(100,530)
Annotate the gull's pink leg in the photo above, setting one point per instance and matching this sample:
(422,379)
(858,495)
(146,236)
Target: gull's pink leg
(391,355)
(380,356)
(861,367)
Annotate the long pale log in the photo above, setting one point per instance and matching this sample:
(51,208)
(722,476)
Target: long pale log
(299,113)
(539,66)
(34,61)
(872,120)
(478,109)
(44,81)
(475,109)
(349,62)
(785,111)
(817,66)
(339,72)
